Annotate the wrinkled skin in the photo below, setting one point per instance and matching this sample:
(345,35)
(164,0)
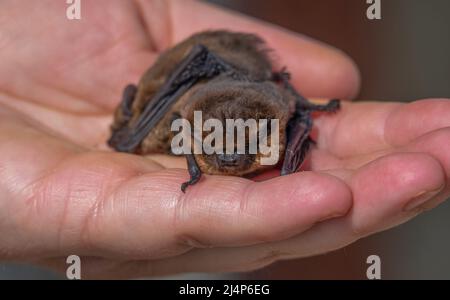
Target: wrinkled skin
(62,192)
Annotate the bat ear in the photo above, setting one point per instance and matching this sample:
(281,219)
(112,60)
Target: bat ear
(199,64)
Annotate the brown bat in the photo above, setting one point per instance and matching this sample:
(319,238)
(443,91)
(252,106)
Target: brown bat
(225,75)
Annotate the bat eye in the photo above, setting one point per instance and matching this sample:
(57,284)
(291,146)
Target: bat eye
(229,159)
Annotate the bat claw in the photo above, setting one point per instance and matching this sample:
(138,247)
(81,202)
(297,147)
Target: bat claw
(333,106)
(192,181)
(184,186)
(284,172)
(282,76)
(194,172)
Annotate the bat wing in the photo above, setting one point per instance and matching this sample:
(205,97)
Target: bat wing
(300,125)
(199,64)
(298,130)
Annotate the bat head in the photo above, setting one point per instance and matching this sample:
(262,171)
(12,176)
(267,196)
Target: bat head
(250,104)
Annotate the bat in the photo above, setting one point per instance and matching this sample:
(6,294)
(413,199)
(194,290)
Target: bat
(225,75)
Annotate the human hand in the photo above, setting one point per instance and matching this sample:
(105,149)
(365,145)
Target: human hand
(63,192)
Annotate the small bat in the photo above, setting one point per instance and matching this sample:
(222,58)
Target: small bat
(225,75)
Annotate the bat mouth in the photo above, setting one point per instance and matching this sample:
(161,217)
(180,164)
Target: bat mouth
(237,165)
(233,162)
(229,160)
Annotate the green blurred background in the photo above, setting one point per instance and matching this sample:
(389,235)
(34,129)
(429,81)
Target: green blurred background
(403,57)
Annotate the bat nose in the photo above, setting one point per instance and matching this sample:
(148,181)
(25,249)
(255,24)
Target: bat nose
(229,159)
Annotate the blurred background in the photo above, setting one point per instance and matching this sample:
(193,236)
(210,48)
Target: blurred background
(405,56)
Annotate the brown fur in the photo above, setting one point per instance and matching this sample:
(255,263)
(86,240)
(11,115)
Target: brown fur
(220,98)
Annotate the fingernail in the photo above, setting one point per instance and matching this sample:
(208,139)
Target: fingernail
(421,199)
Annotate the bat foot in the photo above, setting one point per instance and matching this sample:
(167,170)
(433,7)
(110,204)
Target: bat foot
(192,181)
(284,172)
(332,106)
(282,76)
(194,172)
(184,186)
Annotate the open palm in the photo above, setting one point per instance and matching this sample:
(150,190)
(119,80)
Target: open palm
(63,192)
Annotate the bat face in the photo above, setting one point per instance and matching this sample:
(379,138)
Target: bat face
(234,103)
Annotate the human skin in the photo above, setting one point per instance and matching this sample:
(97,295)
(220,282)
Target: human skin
(63,192)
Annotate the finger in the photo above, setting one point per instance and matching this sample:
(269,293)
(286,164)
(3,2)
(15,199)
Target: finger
(414,179)
(29,157)
(94,205)
(383,192)
(323,237)
(361,128)
(86,130)
(220,211)
(415,119)
(169,161)
(318,69)
(437,144)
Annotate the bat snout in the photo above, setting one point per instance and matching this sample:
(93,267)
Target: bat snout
(229,160)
